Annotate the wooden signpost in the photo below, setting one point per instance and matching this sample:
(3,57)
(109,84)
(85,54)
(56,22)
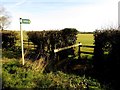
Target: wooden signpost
(23,21)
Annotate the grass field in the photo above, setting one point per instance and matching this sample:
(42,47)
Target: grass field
(85,39)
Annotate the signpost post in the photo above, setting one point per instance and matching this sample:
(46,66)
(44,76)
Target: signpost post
(23,21)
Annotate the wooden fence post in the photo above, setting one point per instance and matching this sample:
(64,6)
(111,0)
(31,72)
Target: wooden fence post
(55,55)
(79,56)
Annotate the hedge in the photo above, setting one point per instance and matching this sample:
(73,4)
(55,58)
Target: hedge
(107,55)
(47,41)
(8,39)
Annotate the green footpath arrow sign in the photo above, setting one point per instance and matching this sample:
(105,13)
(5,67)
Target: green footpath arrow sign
(26,21)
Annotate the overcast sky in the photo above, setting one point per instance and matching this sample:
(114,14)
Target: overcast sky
(84,15)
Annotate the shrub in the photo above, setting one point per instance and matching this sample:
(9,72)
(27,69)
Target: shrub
(47,41)
(17,76)
(107,55)
(53,39)
(8,39)
(107,42)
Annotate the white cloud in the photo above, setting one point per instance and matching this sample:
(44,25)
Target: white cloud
(20,2)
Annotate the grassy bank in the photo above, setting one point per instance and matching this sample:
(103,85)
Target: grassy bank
(14,75)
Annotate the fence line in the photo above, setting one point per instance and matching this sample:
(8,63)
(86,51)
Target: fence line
(79,51)
(31,45)
(85,52)
(60,49)
(87,46)
(55,51)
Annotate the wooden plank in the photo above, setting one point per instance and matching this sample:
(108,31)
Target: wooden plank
(30,43)
(60,49)
(25,40)
(88,46)
(85,52)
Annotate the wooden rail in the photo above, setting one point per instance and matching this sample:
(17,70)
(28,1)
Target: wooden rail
(85,52)
(60,49)
(79,45)
(76,45)
(31,46)
(88,46)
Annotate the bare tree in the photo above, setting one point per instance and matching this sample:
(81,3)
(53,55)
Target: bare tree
(4,18)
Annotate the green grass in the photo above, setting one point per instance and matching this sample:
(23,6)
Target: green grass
(85,39)
(17,76)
